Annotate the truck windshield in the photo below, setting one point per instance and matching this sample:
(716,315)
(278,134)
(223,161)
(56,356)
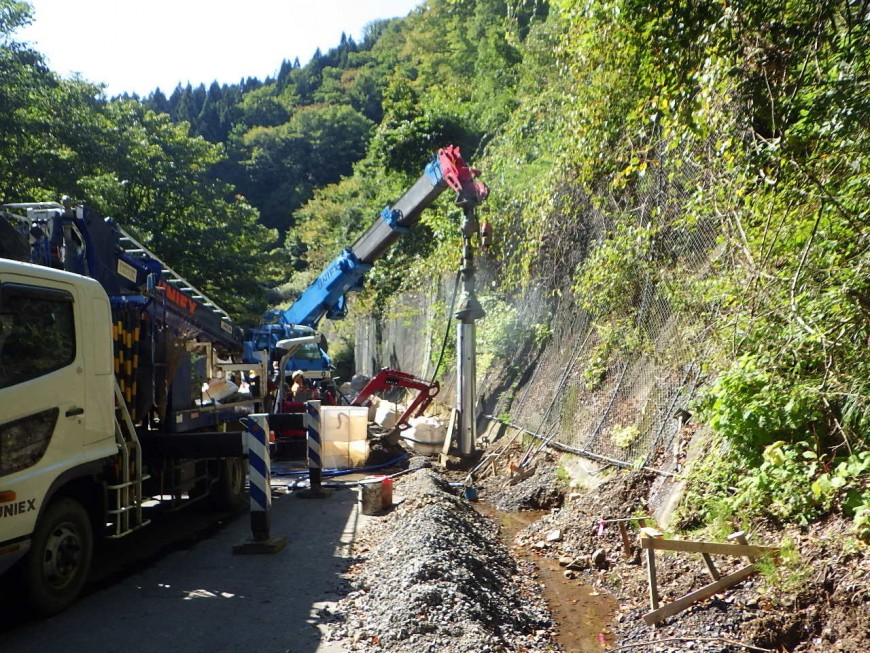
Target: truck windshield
(310,352)
(37,335)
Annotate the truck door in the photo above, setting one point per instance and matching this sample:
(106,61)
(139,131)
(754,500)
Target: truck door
(42,385)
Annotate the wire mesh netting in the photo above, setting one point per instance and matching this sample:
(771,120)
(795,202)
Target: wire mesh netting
(623,404)
(614,401)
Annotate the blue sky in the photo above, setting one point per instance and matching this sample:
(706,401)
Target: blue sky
(139,45)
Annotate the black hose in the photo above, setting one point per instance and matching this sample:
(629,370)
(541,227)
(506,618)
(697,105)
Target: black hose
(447,330)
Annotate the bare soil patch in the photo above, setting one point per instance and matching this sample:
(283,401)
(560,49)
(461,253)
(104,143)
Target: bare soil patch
(828,609)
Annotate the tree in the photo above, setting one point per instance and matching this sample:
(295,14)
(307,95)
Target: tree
(210,121)
(284,163)
(158,102)
(265,107)
(336,138)
(13,15)
(156,182)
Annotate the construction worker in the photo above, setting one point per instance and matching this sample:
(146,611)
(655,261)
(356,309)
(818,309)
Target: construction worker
(297,389)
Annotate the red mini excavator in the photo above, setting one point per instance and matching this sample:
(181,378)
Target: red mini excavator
(388,379)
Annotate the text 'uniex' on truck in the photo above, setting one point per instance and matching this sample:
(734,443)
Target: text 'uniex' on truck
(120,389)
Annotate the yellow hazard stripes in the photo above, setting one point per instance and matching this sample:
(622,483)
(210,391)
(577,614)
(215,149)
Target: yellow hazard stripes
(126,328)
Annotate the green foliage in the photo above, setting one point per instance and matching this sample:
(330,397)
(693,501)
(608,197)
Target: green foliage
(316,146)
(503,334)
(848,484)
(596,368)
(500,334)
(791,483)
(266,106)
(624,436)
(610,343)
(610,281)
(751,406)
(779,487)
(60,137)
(789,572)
(541,332)
(710,157)
(13,15)
(341,351)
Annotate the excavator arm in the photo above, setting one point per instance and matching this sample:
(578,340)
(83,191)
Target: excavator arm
(388,379)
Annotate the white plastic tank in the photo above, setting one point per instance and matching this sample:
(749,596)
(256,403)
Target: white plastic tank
(343,436)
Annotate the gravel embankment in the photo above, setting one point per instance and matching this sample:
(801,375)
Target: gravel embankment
(433,575)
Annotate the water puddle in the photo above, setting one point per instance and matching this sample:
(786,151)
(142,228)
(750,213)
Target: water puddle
(582,613)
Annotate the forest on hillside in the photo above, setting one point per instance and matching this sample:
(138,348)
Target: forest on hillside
(608,131)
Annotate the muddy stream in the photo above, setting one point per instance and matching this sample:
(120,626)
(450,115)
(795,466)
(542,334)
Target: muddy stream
(581,612)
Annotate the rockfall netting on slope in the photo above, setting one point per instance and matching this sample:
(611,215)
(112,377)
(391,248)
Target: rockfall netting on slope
(615,390)
(603,390)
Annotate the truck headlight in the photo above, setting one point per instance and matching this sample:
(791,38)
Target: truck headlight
(24,441)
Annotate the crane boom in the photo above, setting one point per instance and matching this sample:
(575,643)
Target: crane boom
(325,297)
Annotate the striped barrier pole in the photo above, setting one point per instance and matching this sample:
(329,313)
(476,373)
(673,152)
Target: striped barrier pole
(257,427)
(315,464)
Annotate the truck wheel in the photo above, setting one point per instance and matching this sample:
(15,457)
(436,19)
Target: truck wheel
(229,491)
(57,565)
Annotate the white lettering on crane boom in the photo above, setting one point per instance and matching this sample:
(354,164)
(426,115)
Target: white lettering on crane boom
(127,271)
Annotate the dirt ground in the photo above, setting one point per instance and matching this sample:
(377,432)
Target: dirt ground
(825,609)
(433,574)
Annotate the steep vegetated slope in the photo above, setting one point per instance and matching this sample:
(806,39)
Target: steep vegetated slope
(680,195)
(711,169)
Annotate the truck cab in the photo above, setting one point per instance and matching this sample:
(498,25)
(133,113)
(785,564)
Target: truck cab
(57,417)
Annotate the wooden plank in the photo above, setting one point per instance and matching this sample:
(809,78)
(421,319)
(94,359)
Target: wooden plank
(705,592)
(448,439)
(651,574)
(451,426)
(626,543)
(718,548)
(711,568)
(521,475)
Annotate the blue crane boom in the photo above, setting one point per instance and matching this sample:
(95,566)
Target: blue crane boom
(326,296)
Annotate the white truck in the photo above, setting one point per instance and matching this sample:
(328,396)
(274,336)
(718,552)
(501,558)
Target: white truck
(117,397)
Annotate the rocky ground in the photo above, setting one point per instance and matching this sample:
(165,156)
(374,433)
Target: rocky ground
(433,574)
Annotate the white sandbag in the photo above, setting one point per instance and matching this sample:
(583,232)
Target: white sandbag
(385,416)
(373,408)
(426,434)
(218,389)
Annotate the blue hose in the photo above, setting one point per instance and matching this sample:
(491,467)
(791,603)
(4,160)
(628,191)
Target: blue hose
(352,470)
